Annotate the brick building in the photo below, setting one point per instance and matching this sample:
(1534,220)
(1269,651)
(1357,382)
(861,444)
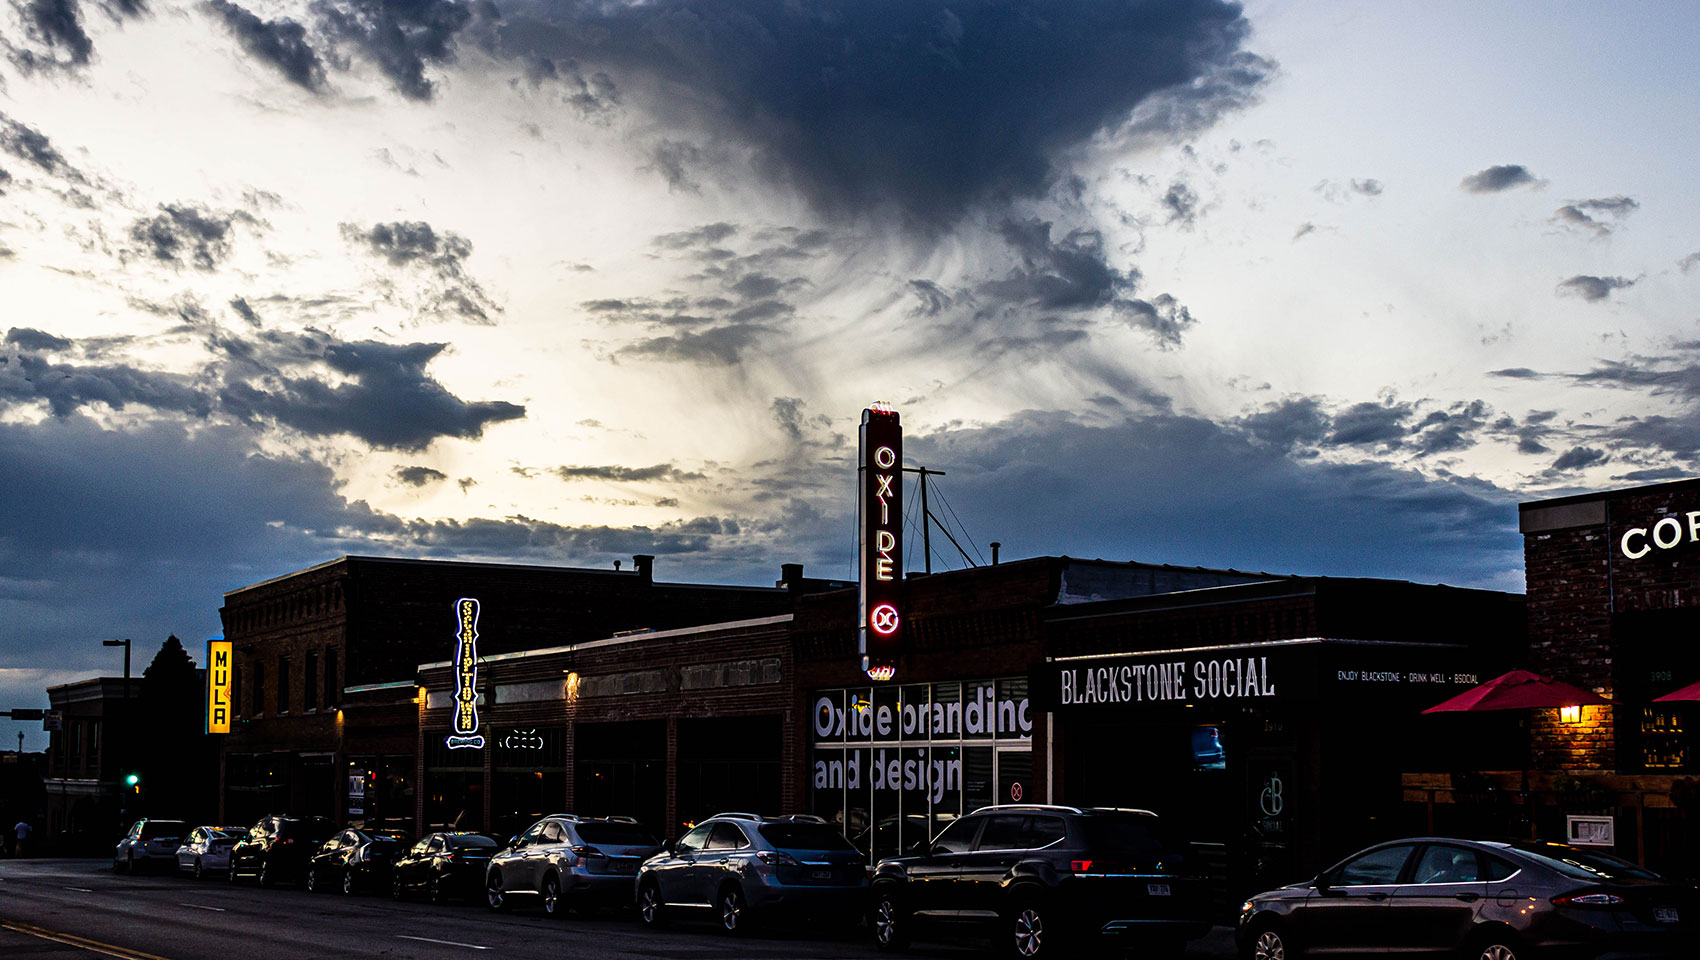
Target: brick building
(325,663)
(84,790)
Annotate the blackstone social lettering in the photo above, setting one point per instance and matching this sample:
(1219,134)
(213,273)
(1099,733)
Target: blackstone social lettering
(1666,534)
(1169,681)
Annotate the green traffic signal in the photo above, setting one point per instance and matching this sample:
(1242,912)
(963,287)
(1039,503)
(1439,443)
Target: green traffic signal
(132,779)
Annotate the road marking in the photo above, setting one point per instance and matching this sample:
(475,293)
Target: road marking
(199,906)
(93,946)
(452,943)
(78,889)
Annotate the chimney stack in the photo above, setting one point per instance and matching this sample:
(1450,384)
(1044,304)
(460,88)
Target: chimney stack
(644,564)
(995,546)
(791,577)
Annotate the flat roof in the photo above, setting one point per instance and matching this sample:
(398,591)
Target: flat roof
(491,565)
(1672,486)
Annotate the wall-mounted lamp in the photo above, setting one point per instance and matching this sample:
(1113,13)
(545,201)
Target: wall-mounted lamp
(572,685)
(1570,714)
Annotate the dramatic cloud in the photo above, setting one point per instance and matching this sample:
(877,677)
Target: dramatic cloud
(1495,179)
(1288,423)
(57,25)
(400,36)
(381,392)
(1181,203)
(1578,457)
(1595,217)
(661,471)
(417,476)
(1450,430)
(186,235)
(862,103)
(31,145)
(1592,289)
(281,43)
(441,257)
(1370,423)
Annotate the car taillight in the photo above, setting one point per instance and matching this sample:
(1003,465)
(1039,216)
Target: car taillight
(1596,899)
(285,842)
(776,858)
(1079,866)
(584,851)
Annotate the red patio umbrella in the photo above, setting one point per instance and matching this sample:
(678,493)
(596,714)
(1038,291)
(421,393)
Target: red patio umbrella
(1519,690)
(1690,692)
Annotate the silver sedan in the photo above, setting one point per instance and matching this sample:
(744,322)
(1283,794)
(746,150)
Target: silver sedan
(207,850)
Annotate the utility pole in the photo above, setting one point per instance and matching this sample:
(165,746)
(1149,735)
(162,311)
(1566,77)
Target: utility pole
(926,515)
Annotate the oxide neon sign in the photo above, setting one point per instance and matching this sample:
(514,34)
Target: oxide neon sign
(881,574)
(218,686)
(466,677)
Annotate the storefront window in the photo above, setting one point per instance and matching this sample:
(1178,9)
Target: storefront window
(893,765)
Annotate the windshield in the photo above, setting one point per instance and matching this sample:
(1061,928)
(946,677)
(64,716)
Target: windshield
(162,829)
(615,834)
(804,836)
(1582,864)
(314,830)
(470,840)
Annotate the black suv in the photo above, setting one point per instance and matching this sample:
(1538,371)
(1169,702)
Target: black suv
(1045,881)
(278,848)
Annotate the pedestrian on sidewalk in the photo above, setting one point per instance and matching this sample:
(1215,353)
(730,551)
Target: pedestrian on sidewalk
(21,835)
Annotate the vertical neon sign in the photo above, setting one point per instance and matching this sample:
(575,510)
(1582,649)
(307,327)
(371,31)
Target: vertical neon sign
(218,686)
(881,574)
(466,677)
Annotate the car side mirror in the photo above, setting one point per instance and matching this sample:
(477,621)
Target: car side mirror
(671,846)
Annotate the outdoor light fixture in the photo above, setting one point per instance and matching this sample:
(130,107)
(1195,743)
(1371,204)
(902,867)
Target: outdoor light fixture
(1570,714)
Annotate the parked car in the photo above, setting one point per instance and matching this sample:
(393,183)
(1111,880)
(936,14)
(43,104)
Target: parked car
(1475,900)
(355,860)
(148,842)
(1045,881)
(443,865)
(565,861)
(738,867)
(277,849)
(207,850)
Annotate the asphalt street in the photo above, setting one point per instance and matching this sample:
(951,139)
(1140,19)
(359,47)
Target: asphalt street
(79,908)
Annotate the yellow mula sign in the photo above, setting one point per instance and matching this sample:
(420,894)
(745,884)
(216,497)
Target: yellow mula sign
(219,663)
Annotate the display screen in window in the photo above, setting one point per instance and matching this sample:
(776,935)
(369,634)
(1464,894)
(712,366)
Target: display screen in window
(1207,753)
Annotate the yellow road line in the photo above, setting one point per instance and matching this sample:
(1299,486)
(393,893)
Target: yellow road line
(122,953)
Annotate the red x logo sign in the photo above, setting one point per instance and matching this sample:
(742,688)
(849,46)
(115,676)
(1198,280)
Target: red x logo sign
(883,619)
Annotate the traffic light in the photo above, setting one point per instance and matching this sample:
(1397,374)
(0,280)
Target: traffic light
(133,780)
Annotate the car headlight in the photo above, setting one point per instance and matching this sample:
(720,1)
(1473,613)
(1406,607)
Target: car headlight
(1246,907)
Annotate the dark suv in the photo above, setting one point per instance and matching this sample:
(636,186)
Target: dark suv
(1045,881)
(278,848)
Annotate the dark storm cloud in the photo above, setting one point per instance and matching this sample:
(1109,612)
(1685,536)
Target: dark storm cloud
(386,398)
(416,245)
(1592,289)
(1578,457)
(931,298)
(674,160)
(1530,434)
(1181,203)
(615,473)
(184,234)
(29,144)
(57,25)
(717,346)
(1162,316)
(1288,423)
(1370,423)
(1516,373)
(417,476)
(1070,273)
(1595,217)
(383,394)
(1281,515)
(244,311)
(1453,429)
(26,338)
(707,235)
(1495,179)
(281,43)
(401,37)
(929,106)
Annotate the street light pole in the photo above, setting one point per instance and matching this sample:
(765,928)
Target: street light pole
(125,643)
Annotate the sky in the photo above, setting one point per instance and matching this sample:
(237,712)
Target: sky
(1321,287)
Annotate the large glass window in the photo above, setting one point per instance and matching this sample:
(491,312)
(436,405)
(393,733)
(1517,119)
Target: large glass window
(896,765)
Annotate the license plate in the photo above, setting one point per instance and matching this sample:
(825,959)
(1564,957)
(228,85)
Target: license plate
(1665,914)
(1157,889)
(625,866)
(820,874)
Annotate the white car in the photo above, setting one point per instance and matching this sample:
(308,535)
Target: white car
(147,843)
(207,850)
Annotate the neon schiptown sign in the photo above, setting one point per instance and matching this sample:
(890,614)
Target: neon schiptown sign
(465,729)
(881,573)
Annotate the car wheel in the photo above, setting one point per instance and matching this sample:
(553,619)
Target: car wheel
(734,912)
(1270,943)
(231,876)
(268,879)
(200,871)
(1493,947)
(554,906)
(1029,932)
(891,927)
(396,893)
(130,862)
(348,884)
(494,896)
(650,911)
(436,890)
